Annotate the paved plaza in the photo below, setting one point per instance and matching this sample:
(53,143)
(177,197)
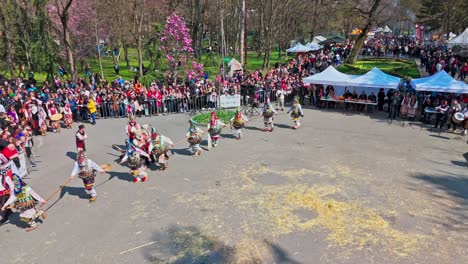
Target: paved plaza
(344,188)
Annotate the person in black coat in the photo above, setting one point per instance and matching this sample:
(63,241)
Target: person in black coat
(380,99)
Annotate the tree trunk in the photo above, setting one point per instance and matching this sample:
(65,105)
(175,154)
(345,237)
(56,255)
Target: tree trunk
(314,21)
(69,50)
(99,46)
(223,39)
(10,49)
(246,42)
(242,33)
(360,40)
(140,56)
(125,48)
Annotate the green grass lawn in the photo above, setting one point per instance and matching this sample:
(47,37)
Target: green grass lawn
(223,115)
(399,68)
(254,63)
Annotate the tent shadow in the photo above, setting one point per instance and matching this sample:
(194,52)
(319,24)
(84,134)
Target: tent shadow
(187,244)
(455,188)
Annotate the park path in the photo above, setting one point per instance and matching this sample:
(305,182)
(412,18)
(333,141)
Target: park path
(422,71)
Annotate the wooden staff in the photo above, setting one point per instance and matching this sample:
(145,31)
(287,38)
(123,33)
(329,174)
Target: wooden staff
(57,191)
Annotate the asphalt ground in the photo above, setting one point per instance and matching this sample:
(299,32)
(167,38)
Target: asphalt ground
(344,188)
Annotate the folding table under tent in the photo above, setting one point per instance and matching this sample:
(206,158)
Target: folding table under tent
(440,82)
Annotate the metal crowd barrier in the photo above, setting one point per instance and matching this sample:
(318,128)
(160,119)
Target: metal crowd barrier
(152,107)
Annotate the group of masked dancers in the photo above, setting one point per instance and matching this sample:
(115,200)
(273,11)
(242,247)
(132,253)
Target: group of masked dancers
(145,145)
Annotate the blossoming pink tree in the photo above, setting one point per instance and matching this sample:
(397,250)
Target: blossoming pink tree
(177,44)
(74,23)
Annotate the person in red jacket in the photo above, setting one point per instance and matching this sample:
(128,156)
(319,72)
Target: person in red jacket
(463,71)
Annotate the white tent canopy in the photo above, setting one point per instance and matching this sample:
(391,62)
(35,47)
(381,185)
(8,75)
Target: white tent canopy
(387,29)
(461,40)
(233,66)
(299,48)
(314,46)
(329,76)
(440,82)
(375,78)
(293,48)
(318,39)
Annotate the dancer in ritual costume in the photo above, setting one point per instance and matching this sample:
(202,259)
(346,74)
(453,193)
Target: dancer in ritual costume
(25,200)
(296,112)
(86,170)
(135,156)
(67,116)
(237,122)
(268,113)
(214,129)
(80,137)
(6,187)
(132,127)
(159,147)
(194,137)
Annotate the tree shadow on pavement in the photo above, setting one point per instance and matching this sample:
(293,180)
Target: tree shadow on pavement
(180,245)
(279,254)
(449,192)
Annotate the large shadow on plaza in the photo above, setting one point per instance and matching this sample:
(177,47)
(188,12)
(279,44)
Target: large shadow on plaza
(180,245)
(450,192)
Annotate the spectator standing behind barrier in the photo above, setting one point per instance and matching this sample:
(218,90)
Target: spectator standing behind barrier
(280,99)
(28,145)
(92,109)
(10,152)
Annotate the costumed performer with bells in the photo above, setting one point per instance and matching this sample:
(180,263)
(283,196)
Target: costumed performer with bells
(268,113)
(194,137)
(25,201)
(86,170)
(237,122)
(296,112)
(135,155)
(214,129)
